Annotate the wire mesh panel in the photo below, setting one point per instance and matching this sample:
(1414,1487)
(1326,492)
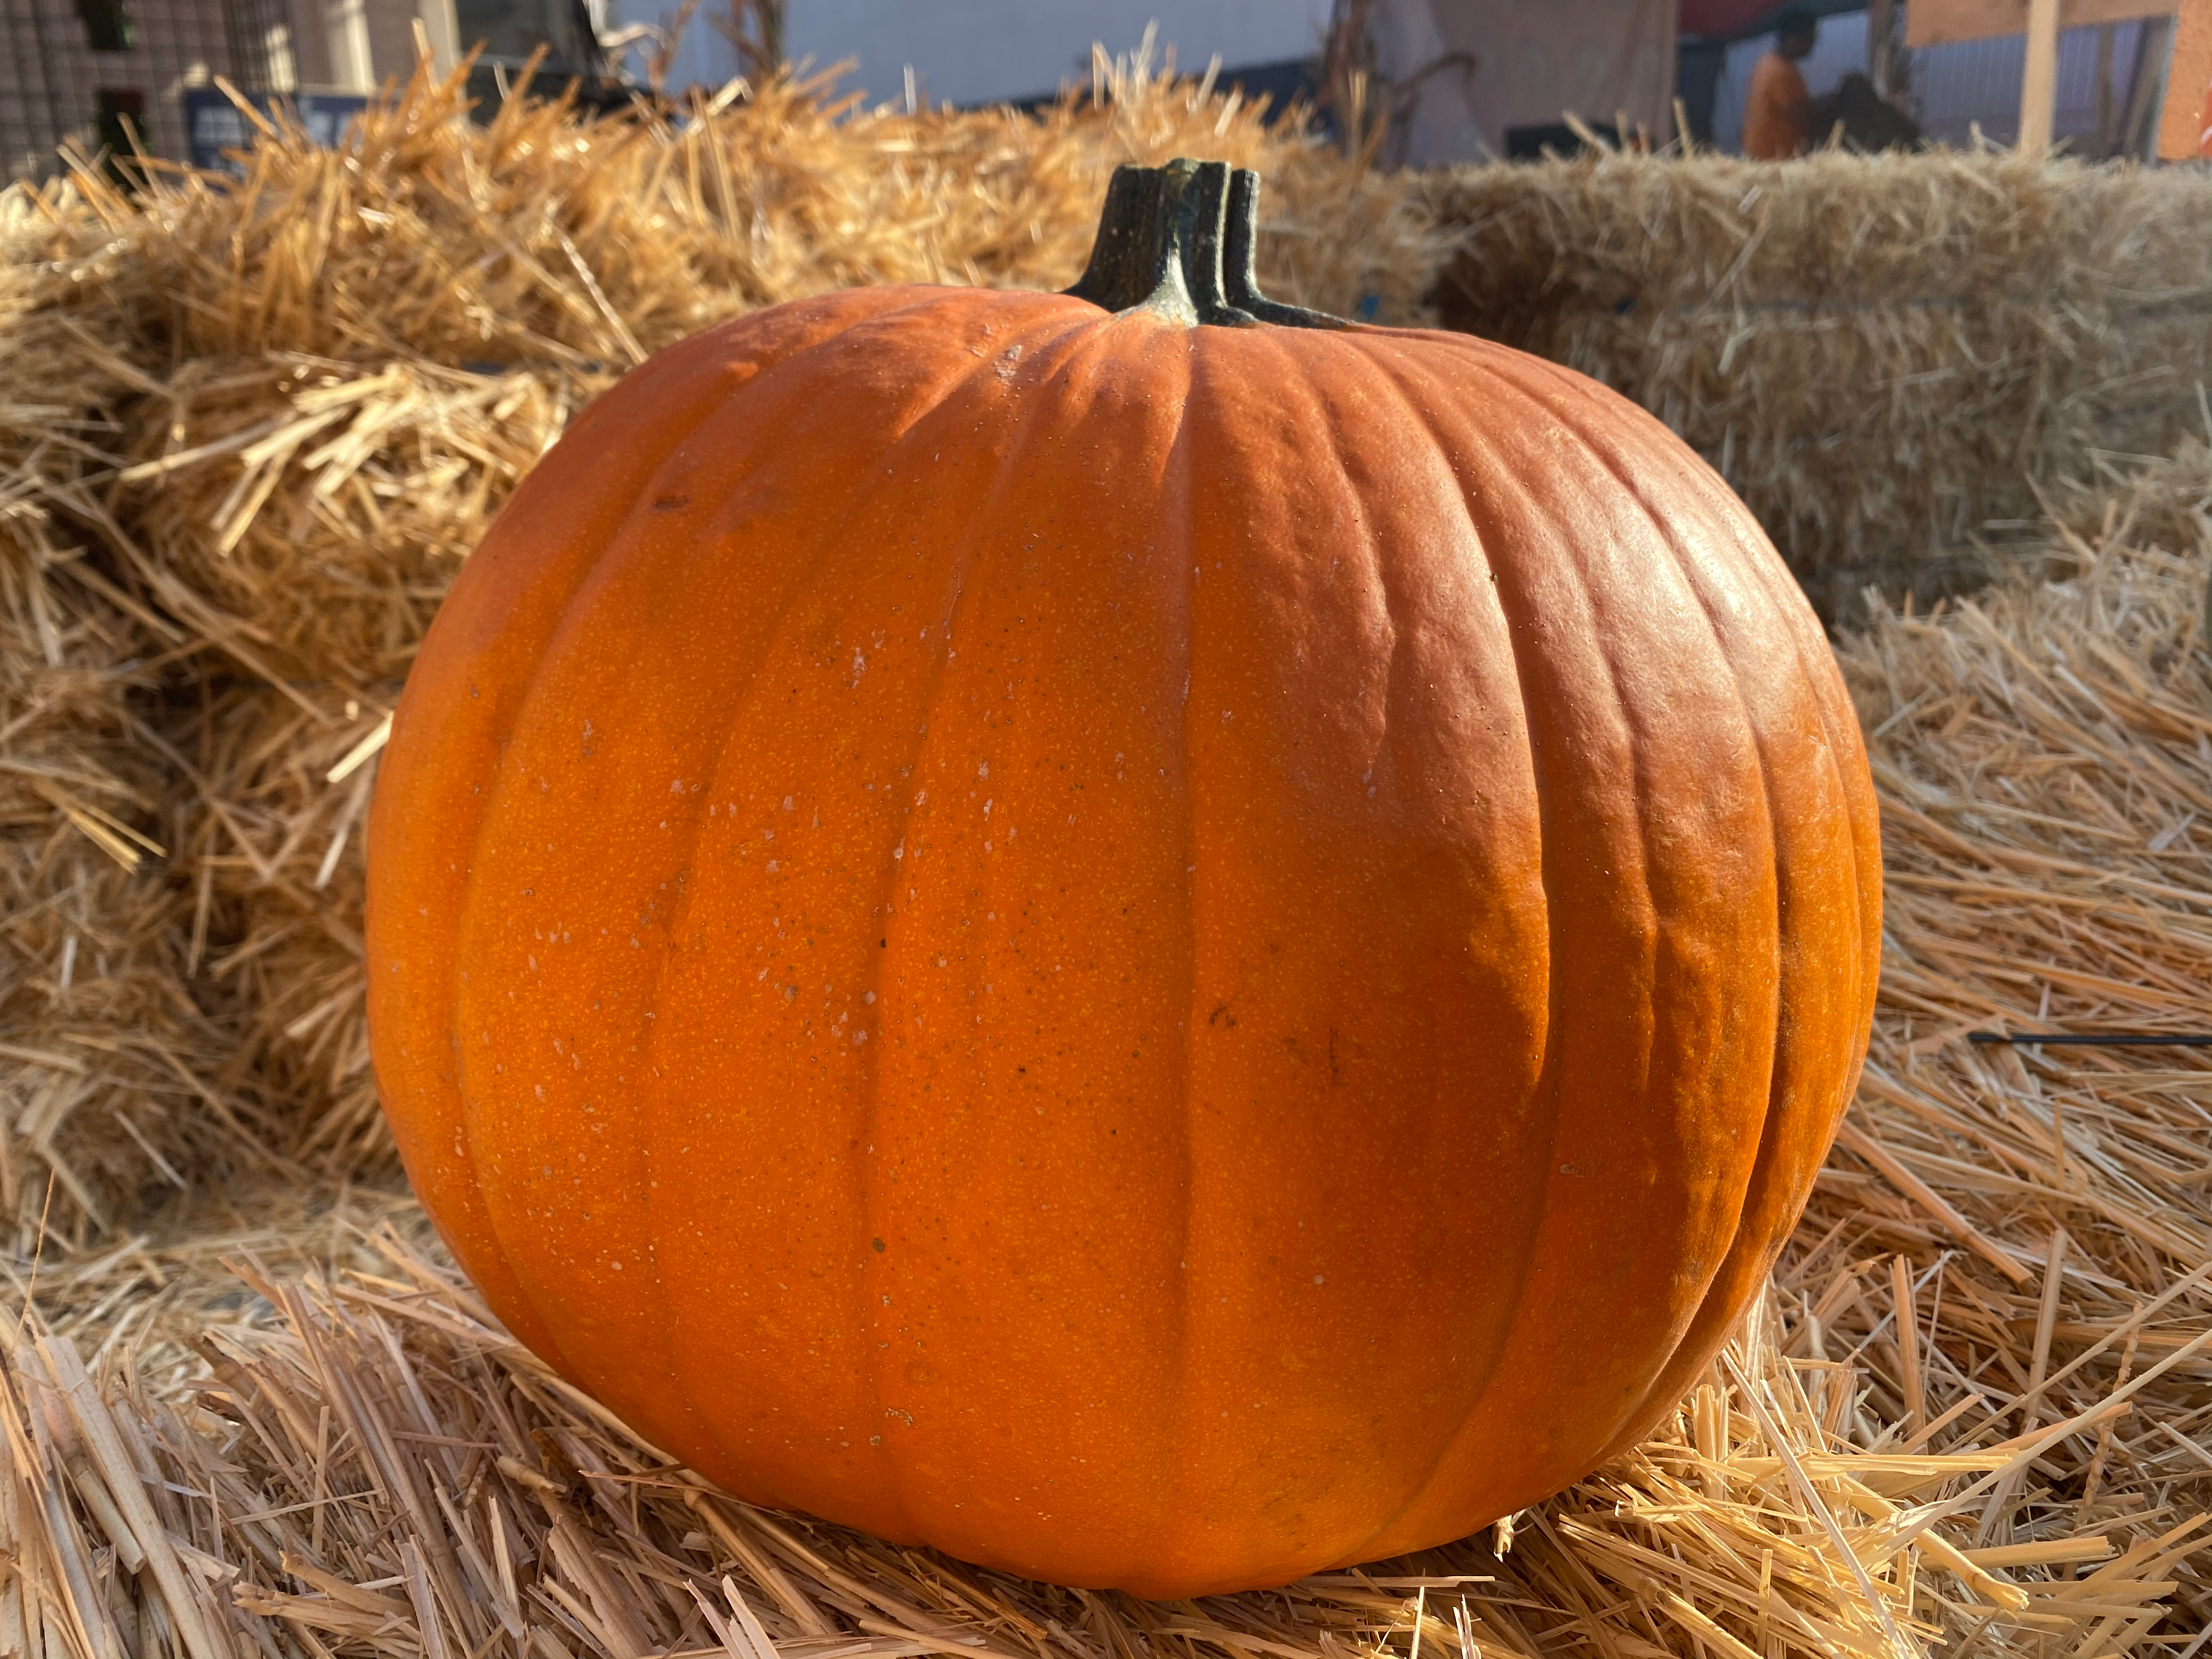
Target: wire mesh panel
(259,34)
(100,70)
(45,82)
(1974,83)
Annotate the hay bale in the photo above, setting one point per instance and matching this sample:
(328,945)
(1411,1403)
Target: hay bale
(1879,353)
(304,514)
(100,1048)
(258,427)
(541,241)
(373,1467)
(1971,1410)
(379,1470)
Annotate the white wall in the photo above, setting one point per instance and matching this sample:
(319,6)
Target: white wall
(966,51)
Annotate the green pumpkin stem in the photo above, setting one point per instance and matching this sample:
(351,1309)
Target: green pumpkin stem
(1178,241)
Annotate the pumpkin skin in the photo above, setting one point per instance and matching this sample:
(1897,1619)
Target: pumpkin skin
(1161,956)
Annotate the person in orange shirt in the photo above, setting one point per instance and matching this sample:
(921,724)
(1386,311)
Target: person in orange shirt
(1777,111)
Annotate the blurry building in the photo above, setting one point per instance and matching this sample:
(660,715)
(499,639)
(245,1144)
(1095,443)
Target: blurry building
(1461,79)
(88,67)
(92,68)
(102,71)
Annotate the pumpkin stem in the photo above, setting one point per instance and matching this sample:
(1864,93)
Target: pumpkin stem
(1239,243)
(1177,241)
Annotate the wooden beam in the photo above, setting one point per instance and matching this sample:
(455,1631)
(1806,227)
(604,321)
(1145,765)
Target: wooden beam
(1881,44)
(2187,83)
(1940,22)
(2038,85)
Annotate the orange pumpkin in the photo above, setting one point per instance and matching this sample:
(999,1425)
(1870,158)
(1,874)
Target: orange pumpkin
(1150,939)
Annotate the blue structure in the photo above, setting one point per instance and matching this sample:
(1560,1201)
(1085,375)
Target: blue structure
(215,124)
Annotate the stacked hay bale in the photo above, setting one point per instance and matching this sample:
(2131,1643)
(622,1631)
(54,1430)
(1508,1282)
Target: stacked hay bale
(1878,352)
(102,1053)
(248,433)
(254,431)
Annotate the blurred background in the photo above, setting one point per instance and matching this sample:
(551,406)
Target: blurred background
(1446,79)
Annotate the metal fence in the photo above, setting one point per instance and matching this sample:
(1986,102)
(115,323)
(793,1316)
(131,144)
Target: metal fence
(55,85)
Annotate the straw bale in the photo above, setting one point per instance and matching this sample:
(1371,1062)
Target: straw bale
(541,240)
(372,348)
(147,1297)
(207,602)
(253,430)
(375,1467)
(99,1044)
(308,515)
(1975,1409)
(2043,754)
(298,399)
(1878,352)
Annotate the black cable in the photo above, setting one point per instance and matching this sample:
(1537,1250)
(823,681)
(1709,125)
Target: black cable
(2100,1039)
